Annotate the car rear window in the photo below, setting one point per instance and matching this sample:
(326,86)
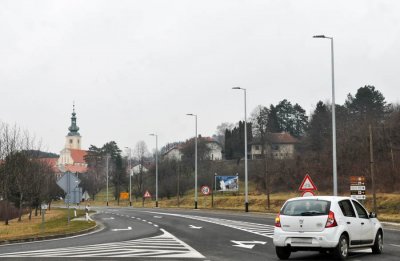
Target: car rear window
(306,207)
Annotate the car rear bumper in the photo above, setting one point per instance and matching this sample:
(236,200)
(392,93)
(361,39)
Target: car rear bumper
(307,240)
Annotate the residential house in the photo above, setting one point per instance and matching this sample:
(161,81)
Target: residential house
(278,146)
(214,153)
(138,168)
(174,153)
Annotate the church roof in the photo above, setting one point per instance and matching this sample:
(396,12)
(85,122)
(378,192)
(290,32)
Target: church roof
(78,156)
(75,168)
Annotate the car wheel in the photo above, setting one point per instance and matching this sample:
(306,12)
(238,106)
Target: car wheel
(283,252)
(377,248)
(342,249)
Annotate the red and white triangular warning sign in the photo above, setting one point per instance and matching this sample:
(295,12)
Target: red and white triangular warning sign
(307,184)
(147,194)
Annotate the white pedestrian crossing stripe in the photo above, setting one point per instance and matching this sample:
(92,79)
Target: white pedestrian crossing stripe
(165,245)
(255,228)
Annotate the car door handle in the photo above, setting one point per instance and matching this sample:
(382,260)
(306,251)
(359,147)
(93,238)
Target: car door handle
(362,223)
(348,222)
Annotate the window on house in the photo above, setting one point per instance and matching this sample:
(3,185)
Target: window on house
(257,147)
(70,141)
(275,147)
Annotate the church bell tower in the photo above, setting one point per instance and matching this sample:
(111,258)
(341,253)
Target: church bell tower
(73,139)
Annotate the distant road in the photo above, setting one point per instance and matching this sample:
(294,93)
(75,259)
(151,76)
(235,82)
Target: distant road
(165,234)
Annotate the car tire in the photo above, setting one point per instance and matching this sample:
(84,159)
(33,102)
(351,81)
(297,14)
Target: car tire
(341,251)
(377,248)
(283,252)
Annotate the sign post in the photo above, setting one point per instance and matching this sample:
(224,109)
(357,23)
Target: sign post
(307,187)
(357,187)
(205,190)
(43,208)
(146,195)
(68,182)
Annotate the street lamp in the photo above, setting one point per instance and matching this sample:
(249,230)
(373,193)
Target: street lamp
(130,175)
(107,157)
(152,134)
(335,190)
(195,160)
(246,200)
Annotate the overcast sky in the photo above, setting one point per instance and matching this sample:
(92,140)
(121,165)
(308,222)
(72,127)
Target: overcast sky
(138,67)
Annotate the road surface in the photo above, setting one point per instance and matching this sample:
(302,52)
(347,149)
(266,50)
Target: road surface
(166,234)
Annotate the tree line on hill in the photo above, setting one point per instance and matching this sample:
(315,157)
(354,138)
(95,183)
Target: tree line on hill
(27,181)
(367,107)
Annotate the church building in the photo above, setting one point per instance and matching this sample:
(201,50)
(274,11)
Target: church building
(72,157)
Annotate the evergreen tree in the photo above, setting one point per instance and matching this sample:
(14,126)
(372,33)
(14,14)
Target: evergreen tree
(368,104)
(320,127)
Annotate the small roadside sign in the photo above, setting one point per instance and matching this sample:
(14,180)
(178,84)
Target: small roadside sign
(308,194)
(359,197)
(205,190)
(124,195)
(357,180)
(307,184)
(357,187)
(68,182)
(147,194)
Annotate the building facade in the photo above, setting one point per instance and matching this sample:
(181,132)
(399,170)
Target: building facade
(277,146)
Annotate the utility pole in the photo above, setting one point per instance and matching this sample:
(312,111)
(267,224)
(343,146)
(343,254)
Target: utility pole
(371,154)
(107,157)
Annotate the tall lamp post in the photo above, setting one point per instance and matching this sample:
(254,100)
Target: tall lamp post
(335,189)
(152,134)
(195,160)
(130,175)
(246,200)
(107,158)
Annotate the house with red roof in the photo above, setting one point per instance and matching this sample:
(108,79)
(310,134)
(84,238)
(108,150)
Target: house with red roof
(280,145)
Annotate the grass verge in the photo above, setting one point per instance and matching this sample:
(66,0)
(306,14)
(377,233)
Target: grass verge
(56,223)
(387,203)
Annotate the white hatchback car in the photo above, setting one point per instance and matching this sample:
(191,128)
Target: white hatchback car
(326,223)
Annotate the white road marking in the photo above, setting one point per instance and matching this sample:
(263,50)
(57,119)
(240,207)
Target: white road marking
(394,245)
(107,218)
(191,226)
(254,228)
(247,244)
(157,216)
(121,229)
(162,246)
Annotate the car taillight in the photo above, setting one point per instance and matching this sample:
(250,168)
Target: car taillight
(331,221)
(278,221)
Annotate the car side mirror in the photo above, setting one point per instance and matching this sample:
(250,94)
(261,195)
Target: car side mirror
(372,215)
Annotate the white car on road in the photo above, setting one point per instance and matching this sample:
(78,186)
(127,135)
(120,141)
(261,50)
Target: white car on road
(326,223)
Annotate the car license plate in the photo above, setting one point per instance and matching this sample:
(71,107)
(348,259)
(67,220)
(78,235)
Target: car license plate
(301,240)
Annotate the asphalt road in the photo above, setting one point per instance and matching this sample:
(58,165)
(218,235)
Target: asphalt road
(165,234)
